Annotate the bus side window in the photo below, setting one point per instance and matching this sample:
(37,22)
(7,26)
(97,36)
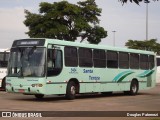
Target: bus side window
(99,58)
(144,62)
(134,61)
(151,62)
(112,59)
(158,61)
(123,60)
(85,57)
(54,62)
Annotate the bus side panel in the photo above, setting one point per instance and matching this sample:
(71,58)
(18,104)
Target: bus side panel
(52,89)
(82,88)
(115,87)
(97,87)
(89,87)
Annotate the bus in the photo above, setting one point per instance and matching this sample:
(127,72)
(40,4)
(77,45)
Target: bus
(4,55)
(158,69)
(55,67)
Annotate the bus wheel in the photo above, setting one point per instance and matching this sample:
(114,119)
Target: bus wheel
(106,93)
(71,90)
(39,96)
(133,88)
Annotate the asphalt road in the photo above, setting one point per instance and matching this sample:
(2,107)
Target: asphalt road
(147,100)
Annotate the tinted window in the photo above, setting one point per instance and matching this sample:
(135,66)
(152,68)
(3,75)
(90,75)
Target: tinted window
(112,59)
(151,62)
(134,61)
(144,62)
(158,61)
(123,60)
(99,58)
(71,56)
(85,57)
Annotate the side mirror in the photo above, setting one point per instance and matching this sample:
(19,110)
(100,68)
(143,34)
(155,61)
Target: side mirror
(54,54)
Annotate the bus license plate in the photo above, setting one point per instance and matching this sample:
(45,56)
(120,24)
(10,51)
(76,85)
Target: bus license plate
(21,90)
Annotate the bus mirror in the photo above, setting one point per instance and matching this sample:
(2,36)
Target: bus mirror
(54,54)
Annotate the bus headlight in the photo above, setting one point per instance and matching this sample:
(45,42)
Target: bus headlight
(37,85)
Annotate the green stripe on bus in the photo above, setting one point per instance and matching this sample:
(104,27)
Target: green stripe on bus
(122,75)
(146,73)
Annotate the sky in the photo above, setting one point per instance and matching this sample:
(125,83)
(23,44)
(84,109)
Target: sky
(128,20)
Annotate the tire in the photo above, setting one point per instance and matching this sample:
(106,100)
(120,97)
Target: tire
(133,88)
(39,96)
(106,93)
(71,90)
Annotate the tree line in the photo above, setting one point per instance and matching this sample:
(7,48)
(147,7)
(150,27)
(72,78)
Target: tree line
(66,21)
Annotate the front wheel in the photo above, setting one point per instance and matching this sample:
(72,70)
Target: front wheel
(39,96)
(71,90)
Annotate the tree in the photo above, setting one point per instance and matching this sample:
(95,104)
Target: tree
(136,1)
(66,21)
(149,45)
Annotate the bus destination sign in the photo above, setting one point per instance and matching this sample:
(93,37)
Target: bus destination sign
(28,42)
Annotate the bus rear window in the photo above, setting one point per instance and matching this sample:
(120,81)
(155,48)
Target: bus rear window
(158,61)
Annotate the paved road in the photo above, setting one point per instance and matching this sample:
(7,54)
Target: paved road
(148,100)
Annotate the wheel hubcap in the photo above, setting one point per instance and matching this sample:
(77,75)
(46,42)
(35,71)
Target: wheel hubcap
(73,90)
(134,88)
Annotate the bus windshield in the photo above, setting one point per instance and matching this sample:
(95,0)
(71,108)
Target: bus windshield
(27,62)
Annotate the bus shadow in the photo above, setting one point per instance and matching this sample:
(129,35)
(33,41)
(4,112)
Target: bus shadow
(114,95)
(62,98)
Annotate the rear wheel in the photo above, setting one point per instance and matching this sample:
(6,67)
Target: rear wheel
(133,88)
(71,90)
(39,96)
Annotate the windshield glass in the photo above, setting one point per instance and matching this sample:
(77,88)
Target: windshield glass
(26,62)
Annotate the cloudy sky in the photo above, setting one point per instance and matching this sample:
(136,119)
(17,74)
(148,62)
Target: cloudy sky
(129,20)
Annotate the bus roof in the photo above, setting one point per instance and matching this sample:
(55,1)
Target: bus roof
(46,41)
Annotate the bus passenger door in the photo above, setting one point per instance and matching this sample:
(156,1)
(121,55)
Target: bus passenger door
(54,62)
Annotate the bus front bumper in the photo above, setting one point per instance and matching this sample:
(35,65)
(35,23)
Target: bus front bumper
(25,89)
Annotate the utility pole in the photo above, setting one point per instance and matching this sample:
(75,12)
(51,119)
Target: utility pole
(146,1)
(114,41)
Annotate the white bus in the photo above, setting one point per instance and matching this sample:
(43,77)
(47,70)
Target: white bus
(4,55)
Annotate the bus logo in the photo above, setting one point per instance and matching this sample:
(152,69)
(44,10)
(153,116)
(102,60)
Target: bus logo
(73,71)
